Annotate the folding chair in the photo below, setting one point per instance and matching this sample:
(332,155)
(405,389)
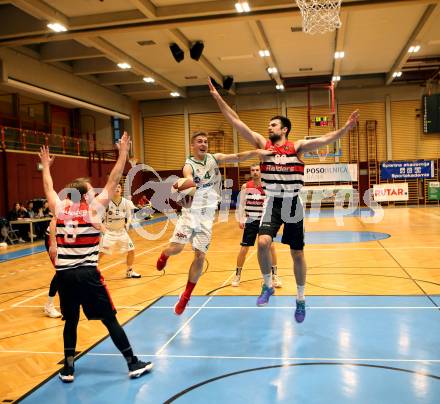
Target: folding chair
(8,234)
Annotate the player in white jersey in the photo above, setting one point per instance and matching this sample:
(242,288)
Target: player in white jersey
(282,177)
(195,223)
(115,227)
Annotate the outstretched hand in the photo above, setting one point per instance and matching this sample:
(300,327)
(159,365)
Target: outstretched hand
(212,89)
(45,157)
(352,120)
(124,143)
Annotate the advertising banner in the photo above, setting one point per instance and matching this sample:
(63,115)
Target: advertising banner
(399,170)
(330,173)
(390,192)
(434,191)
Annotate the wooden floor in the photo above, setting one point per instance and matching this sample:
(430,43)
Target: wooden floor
(406,263)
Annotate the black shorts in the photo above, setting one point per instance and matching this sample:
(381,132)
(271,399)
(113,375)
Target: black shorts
(84,287)
(287,211)
(250,233)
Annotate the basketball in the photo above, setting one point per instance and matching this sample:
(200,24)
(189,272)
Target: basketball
(185,187)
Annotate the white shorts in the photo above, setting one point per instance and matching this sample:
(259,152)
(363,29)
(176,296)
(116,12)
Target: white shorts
(190,229)
(112,238)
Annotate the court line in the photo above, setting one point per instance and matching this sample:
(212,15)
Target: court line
(216,357)
(272,307)
(292,358)
(342,249)
(198,310)
(44,292)
(308,307)
(374,248)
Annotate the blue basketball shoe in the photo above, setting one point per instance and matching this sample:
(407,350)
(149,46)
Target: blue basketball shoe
(265,295)
(300,312)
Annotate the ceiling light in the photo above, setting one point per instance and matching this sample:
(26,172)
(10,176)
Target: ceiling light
(124,66)
(272,70)
(57,27)
(149,80)
(339,55)
(175,94)
(414,49)
(264,53)
(336,78)
(242,7)
(397,74)
(279,87)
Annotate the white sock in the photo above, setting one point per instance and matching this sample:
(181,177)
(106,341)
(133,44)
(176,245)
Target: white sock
(50,300)
(238,271)
(274,269)
(300,292)
(267,280)
(129,269)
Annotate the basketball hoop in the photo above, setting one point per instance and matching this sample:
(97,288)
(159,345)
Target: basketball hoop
(320,16)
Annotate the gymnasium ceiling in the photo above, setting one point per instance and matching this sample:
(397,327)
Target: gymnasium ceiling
(375,36)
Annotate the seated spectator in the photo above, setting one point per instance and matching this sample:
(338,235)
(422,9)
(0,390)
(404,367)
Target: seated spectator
(30,209)
(144,203)
(44,211)
(18,212)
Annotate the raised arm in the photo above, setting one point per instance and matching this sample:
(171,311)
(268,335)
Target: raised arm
(331,137)
(243,156)
(254,138)
(115,175)
(46,162)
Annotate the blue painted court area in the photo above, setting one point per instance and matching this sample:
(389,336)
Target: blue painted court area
(223,349)
(333,237)
(319,212)
(21,253)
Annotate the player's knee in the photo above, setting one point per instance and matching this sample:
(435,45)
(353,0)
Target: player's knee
(199,255)
(264,243)
(297,254)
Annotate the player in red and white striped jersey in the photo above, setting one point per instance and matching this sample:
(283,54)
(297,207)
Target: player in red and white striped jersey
(250,210)
(282,177)
(79,281)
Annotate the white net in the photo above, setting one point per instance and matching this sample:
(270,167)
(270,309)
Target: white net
(320,16)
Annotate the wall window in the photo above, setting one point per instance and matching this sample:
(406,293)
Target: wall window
(116,129)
